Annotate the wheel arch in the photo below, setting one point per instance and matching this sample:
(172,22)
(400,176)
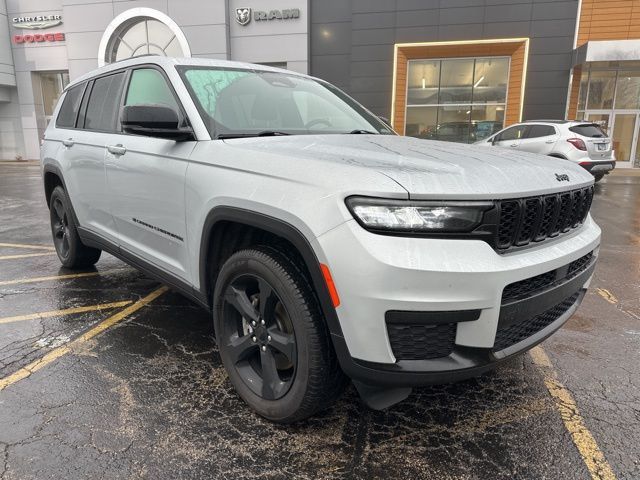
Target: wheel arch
(221,217)
(52,177)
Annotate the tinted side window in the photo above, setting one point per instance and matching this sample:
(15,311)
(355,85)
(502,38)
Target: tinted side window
(588,130)
(104,103)
(513,133)
(148,86)
(537,131)
(70,105)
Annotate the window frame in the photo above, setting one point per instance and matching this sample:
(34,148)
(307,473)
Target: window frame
(499,138)
(182,114)
(85,105)
(530,129)
(82,95)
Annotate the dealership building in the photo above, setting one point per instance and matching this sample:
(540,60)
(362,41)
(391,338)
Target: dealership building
(460,68)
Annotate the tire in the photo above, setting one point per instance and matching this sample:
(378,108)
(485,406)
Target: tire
(598,176)
(70,249)
(292,347)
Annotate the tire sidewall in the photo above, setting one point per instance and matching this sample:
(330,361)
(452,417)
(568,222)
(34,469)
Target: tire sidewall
(59,193)
(262,265)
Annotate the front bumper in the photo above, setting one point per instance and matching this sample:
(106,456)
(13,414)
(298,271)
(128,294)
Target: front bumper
(376,274)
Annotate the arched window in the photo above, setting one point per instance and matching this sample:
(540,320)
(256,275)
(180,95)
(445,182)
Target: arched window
(142,31)
(144,36)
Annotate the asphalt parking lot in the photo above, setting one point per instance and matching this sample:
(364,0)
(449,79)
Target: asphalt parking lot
(106,374)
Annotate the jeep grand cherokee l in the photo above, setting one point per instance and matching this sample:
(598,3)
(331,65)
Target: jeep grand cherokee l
(325,246)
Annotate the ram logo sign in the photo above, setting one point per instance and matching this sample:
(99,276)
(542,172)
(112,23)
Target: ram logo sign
(243,16)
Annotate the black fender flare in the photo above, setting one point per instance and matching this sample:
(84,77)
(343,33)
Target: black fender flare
(282,229)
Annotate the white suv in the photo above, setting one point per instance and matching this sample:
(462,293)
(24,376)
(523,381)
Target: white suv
(581,142)
(326,246)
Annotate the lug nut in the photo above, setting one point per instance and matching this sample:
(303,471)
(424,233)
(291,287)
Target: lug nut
(254,339)
(264,348)
(268,338)
(253,323)
(262,322)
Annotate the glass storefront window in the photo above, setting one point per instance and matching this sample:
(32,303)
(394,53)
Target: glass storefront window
(628,90)
(456,100)
(584,84)
(490,80)
(456,81)
(51,85)
(601,90)
(423,82)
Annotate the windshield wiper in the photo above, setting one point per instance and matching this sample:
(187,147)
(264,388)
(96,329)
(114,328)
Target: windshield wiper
(360,131)
(264,133)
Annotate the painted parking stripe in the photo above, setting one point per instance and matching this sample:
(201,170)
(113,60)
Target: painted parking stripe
(27,246)
(607,295)
(66,311)
(25,255)
(58,352)
(591,454)
(70,276)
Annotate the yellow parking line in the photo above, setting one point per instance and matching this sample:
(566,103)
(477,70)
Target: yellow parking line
(607,295)
(25,255)
(58,352)
(24,245)
(66,311)
(56,277)
(591,454)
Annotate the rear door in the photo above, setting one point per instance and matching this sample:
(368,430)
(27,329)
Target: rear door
(510,138)
(85,153)
(146,181)
(539,139)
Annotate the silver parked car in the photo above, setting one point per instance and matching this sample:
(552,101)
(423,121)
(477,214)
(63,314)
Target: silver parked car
(584,143)
(324,245)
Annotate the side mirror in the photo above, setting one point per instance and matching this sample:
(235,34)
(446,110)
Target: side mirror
(494,140)
(154,121)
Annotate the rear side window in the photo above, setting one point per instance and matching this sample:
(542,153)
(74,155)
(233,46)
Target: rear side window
(104,103)
(513,133)
(537,131)
(70,106)
(588,130)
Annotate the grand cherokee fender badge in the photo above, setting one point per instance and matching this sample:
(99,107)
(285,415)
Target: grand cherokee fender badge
(562,177)
(157,229)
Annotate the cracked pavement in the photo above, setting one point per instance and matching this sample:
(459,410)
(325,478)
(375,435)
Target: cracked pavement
(149,398)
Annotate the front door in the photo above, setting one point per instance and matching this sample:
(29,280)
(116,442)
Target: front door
(145,177)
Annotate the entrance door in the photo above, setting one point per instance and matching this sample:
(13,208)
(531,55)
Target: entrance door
(625,138)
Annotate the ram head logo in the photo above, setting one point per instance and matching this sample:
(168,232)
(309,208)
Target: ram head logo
(243,16)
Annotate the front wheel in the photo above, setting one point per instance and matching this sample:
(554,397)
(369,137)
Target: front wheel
(70,249)
(272,338)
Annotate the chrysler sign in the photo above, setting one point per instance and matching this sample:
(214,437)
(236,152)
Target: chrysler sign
(37,22)
(243,15)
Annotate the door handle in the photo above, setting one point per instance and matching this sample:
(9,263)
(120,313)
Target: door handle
(513,145)
(550,141)
(117,149)
(68,143)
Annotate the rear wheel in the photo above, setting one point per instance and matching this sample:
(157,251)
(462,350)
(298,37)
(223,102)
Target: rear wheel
(272,338)
(70,249)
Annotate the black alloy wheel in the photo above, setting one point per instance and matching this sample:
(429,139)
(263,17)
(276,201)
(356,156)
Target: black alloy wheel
(259,336)
(60,227)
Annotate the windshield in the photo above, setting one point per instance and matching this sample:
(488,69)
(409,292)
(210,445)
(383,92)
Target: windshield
(244,103)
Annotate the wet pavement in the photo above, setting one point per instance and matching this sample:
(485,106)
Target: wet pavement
(148,397)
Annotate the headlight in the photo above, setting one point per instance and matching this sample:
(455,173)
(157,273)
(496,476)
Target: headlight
(417,216)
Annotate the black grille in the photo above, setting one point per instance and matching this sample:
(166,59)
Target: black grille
(505,337)
(535,219)
(529,286)
(421,342)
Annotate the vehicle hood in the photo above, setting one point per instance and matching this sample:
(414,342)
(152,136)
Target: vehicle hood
(429,168)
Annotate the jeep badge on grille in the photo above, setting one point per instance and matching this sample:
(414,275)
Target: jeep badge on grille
(562,177)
